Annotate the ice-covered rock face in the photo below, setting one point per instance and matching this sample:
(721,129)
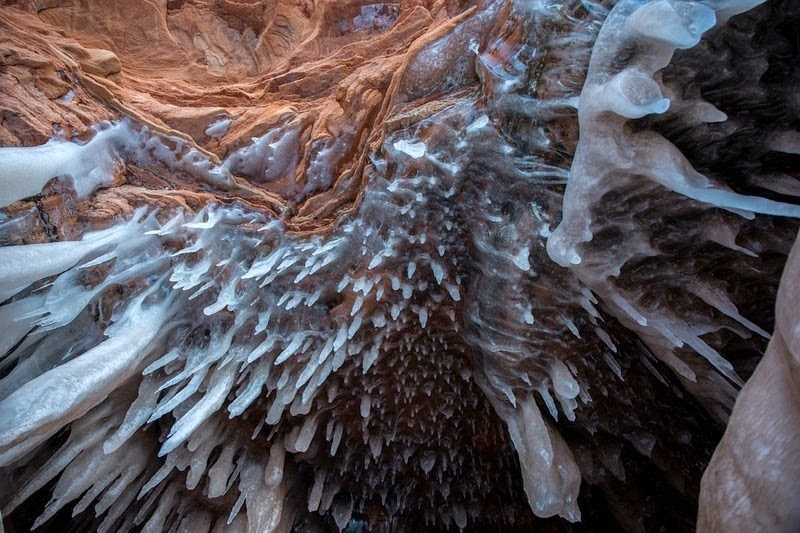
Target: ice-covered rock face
(489,265)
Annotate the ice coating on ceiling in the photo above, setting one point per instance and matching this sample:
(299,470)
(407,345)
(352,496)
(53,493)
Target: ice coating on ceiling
(466,345)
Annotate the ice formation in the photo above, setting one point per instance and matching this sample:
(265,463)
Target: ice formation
(466,346)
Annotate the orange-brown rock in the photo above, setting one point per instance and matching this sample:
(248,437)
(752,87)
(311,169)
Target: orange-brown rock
(179,67)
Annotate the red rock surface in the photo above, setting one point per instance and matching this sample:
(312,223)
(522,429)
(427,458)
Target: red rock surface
(260,64)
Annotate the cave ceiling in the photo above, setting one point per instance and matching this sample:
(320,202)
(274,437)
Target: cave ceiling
(490,265)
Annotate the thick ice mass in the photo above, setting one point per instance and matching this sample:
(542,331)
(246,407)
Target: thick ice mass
(506,274)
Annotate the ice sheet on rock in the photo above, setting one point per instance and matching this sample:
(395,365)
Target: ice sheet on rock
(374,18)
(413,150)
(725,9)
(218,128)
(25,171)
(270,157)
(15,326)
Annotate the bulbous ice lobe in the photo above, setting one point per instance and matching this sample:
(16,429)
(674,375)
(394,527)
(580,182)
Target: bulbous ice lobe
(484,265)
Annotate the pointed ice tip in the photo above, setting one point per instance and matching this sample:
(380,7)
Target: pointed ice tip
(727,8)
(165,448)
(571,513)
(110,447)
(414,150)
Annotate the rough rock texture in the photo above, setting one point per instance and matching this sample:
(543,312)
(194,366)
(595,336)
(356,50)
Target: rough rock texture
(752,481)
(424,265)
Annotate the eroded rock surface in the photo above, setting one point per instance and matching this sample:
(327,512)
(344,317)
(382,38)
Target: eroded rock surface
(751,482)
(488,265)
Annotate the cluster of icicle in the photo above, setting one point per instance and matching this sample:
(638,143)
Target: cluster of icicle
(146,338)
(612,157)
(182,321)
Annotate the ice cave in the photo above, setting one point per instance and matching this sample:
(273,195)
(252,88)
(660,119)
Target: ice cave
(422,266)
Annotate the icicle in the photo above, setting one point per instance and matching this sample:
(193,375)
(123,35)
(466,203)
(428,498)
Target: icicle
(44,405)
(273,474)
(628,309)
(563,382)
(220,386)
(548,401)
(375,445)
(612,363)
(342,511)
(550,475)
(601,333)
(25,264)
(459,516)
(91,473)
(307,432)
(720,301)
(572,327)
(337,438)
(423,316)
(454,292)
(170,403)
(220,472)
(262,267)
(370,358)
(357,305)
(366,403)
(264,502)
(341,337)
(290,350)
(438,272)
(136,416)
(427,461)
(165,506)
(316,491)
(84,435)
(354,326)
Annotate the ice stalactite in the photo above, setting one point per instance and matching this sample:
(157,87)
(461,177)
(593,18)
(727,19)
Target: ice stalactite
(486,335)
(613,158)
